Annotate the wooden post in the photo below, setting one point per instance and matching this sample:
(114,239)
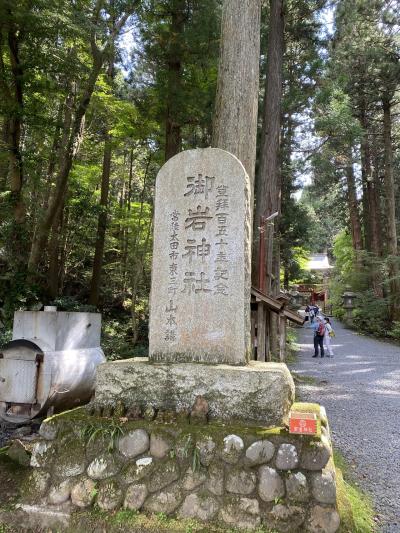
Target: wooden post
(261,331)
(261,255)
(267,320)
(253,335)
(282,337)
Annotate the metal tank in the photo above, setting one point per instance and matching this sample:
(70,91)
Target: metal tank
(50,364)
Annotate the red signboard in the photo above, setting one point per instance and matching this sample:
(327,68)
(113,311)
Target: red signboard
(303,423)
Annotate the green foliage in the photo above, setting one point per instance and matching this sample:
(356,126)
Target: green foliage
(162,518)
(344,254)
(355,507)
(395,331)
(165,68)
(196,460)
(291,344)
(372,314)
(125,517)
(110,432)
(117,337)
(70,303)
(183,34)
(5,336)
(335,119)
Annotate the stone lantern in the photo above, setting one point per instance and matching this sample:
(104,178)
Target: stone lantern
(296,297)
(348,304)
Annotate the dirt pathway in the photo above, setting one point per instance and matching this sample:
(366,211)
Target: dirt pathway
(360,388)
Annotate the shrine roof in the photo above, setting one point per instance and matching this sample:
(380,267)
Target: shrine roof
(318,262)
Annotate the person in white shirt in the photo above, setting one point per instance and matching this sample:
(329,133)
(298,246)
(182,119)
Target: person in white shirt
(328,337)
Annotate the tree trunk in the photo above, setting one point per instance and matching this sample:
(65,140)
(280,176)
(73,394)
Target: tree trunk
(173,137)
(14,128)
(102,225)
(136,280)
(391,212)
(235,118)
(269,180)
(373,239)
(269,171)
(274,332)
(42,234)
(13,119)
(63,248)
(355,224)
(126,230)
(3,155)
(365,217)
(54,254)
(60,139)
(367,177)
(286,278)
(72,146)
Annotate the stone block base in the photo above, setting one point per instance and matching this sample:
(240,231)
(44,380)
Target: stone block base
(258,393)
(234,476)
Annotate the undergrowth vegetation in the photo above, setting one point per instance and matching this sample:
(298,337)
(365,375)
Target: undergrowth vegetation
(372,312)
(355,506)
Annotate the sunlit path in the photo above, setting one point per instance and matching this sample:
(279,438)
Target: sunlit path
(360,388)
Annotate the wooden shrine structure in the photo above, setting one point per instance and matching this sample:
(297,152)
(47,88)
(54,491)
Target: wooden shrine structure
(261,307)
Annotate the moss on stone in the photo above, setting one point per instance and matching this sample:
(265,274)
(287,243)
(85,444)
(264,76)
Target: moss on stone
(76,419)
(305,407)
(125,521)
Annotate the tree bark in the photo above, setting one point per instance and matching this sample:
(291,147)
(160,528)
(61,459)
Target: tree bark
(54,253)
(126,232)
(373,237)
(15,126)
(366,172)
(352,202)
(269,172)
(173,137)
(102,224)
(136,280)
(269,180)
(394,279)
(12,95)
(235,117)
(4,164)
(139,255)
(63,247)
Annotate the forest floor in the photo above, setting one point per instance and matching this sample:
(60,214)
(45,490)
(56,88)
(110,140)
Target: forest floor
(360,389)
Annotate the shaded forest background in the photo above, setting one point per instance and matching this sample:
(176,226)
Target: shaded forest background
(96,95)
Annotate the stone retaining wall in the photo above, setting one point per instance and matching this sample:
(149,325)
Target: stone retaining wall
(234,475)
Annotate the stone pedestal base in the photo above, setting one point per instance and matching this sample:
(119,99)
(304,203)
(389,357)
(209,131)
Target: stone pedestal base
(259,393)
(234,476)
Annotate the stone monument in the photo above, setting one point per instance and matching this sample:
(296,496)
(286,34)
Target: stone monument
(200,302)
(199,305)
(203,430)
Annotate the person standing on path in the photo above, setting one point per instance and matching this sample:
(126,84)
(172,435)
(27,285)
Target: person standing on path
(312,314)
(328,337)
(319,331)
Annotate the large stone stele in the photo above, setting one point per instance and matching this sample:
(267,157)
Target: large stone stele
(258,393)
(200,287)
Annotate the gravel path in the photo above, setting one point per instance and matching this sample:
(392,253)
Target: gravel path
(360,388)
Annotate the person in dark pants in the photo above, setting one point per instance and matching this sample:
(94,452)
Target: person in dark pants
(319,331)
